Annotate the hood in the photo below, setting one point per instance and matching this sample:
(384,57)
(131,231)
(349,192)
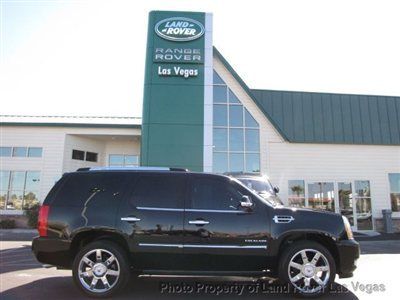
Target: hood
(309,220)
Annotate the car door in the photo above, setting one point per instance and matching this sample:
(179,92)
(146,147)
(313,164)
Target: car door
(220,234)
(152,220)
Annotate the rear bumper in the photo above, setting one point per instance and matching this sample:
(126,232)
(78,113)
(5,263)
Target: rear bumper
(52,251)
(349,252)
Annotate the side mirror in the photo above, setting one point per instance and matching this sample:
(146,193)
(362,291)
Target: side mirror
(276,189)
(246,202)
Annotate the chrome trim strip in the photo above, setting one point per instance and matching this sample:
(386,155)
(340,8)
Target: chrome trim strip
(159,208)
(161,245)
(198,222)
(216,211)
(130,219)
(203,246)
(191,210)
(225,246)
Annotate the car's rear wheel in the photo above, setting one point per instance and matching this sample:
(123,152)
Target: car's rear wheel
(101,269)
(308,267)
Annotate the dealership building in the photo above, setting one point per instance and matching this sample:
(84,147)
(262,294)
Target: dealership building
(326,151)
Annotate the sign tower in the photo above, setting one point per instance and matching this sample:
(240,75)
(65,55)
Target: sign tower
(177,102)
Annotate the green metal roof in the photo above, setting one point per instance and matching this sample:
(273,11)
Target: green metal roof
(333,118)
(307,117)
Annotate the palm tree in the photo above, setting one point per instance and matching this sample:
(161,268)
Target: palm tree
(298,189)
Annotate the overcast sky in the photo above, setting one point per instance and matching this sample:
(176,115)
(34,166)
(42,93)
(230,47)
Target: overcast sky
(87,57)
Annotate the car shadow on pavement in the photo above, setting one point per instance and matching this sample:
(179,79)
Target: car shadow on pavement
(152,288)
(17,259)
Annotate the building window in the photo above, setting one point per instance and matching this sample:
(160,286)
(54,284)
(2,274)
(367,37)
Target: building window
(91,156)
(123,160)
(363,204)
(19,189)
(78,154)
(20,151)
(82,155)
(321,195)
(34,152)
(349,198)
(394,180)
(5,151)
(236,134)
(296,193)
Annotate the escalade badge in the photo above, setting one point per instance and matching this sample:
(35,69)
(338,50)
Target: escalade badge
(255,241)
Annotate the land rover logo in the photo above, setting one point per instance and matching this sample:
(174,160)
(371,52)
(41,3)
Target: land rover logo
(179,29)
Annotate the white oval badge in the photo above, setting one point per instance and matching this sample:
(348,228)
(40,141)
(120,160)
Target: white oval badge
(179,29)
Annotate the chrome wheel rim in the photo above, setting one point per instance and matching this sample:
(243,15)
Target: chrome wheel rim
(98,271)
(309,271)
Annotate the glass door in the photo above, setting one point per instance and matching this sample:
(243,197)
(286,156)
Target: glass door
(345,205)
(363,205)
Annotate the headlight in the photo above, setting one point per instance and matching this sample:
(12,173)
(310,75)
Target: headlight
(347,227)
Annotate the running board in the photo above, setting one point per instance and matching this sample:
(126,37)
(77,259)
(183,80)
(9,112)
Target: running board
(204,273)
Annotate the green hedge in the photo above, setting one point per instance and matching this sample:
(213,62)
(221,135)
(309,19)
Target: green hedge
(32,214)
(7,224)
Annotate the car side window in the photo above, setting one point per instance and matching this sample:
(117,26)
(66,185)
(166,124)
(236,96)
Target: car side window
(86,189)
(215,194)
(159,191)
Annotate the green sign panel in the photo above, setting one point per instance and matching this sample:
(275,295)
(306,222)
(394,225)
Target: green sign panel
(173,131)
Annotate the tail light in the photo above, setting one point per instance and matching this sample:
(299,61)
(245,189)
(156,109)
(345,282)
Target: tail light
(42,220)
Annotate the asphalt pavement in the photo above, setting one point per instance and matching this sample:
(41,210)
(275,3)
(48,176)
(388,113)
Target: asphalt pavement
(22,277)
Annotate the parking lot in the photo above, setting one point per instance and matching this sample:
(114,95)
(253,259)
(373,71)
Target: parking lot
(22,277)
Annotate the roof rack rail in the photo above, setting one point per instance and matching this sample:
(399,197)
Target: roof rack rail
(132,168)
(83,169)
(241,173)
(179,169)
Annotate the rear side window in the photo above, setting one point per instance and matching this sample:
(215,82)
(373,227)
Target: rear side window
(213,193)
(54,190)
(159,191)
(98,189)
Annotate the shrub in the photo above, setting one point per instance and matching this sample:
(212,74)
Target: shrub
(32,214)
(7,224)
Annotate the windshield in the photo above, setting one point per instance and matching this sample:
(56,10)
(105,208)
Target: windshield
(260,186)
(254,193)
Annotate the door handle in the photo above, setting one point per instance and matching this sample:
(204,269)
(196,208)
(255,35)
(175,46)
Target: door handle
(198,222)
(130,219)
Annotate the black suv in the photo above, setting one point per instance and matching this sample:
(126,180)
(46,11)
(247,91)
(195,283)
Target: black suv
(107,224)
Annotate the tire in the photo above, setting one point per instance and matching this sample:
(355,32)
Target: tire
(310,276)
(96,273)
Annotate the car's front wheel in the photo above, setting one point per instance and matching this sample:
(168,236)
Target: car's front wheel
(308,267)
(101,269)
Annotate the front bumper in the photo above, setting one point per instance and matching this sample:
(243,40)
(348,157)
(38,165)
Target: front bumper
(52,251)
(349,252)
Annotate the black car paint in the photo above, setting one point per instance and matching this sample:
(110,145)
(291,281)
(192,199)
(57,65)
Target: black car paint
(246,227)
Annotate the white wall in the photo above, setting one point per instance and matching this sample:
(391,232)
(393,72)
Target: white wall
(74,142)
(131,147)
(57,143)
(283,161)
(52,142)
(317,162)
